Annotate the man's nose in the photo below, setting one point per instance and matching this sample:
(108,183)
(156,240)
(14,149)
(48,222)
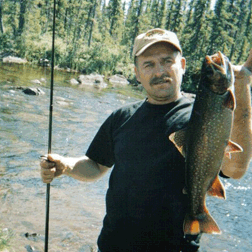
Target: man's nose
(159,70)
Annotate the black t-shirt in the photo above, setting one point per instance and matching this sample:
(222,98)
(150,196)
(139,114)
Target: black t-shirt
(145,205)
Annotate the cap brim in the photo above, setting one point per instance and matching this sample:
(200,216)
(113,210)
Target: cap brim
(154,42)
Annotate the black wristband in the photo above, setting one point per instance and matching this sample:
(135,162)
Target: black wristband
(223,175)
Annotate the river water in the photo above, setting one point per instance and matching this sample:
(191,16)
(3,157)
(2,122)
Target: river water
(77,208)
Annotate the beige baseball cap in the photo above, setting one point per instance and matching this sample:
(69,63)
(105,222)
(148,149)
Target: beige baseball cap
(145,40)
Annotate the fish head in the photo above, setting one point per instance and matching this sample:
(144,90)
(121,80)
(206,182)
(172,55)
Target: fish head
(217,73)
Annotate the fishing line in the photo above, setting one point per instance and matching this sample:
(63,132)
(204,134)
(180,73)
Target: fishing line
(50,131)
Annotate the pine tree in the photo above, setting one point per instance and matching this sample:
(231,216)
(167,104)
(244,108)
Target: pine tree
(245,25)
(175,16)
(158,13)
(220,39)
(1,17)
(115,15)
(133,24)
(198,31)
(22,12)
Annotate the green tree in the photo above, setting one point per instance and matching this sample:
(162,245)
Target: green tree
(132,24)
(197,31)
(175,16)
(115,16)
(1,17)
(220,39)
(243,34)
(158,12)
(22,12)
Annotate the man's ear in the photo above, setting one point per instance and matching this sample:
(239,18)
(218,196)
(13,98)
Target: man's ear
(183,64)
(137,74)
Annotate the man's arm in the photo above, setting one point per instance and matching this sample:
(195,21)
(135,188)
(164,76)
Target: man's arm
(241,133)
(82,168)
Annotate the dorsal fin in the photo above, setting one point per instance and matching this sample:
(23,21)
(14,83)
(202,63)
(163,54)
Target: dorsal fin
(233,147)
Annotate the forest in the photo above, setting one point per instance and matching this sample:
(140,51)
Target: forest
(98,35)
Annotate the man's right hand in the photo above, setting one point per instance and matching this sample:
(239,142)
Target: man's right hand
(52,166)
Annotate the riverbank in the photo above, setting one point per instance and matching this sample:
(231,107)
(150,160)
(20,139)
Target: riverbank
(77,208)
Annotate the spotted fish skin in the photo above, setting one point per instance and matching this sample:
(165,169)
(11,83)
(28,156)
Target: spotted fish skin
(207,137)
(205,141)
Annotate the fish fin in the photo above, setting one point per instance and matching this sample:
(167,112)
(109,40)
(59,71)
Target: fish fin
(230,101)
(228,155)
(233,147)
(203,223)
(217,189)
(191,225)
(178,139)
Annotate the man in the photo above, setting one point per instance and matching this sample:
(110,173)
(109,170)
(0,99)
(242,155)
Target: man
(145,204)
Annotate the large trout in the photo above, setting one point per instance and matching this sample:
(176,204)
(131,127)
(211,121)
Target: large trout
(206,140)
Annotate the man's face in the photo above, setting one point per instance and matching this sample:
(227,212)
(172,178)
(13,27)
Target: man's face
(160,69)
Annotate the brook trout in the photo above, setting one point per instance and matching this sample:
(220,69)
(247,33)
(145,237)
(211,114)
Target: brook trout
(206,140)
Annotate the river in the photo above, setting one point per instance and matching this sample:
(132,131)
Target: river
(77,208)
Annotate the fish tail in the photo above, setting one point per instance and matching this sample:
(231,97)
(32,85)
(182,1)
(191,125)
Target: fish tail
(204,223)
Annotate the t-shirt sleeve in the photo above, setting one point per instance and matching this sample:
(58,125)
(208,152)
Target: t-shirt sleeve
(101,149)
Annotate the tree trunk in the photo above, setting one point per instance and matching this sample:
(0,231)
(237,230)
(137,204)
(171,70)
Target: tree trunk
(136,30)
(21,24)
(1,17)
(92,24)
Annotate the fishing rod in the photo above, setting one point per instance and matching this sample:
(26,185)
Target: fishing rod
(50,131)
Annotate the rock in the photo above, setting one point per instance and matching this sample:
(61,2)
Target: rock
(62,103)
(16,60)
(29,248)
(74,82)
(33,91)
(36,82)
(44,62)
(16,88)
(31,235)
(118,80)
(94,80)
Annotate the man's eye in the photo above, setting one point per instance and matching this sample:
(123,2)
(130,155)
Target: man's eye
(168,61)
(149,65)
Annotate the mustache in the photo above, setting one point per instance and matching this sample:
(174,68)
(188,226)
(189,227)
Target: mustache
(162,79)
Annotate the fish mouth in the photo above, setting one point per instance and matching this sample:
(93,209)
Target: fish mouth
(219,70)
(217,62)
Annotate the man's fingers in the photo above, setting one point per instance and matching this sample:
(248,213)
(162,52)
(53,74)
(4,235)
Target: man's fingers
(45,163)
(46,180)
(52,165)
(47,174)
(48,171)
